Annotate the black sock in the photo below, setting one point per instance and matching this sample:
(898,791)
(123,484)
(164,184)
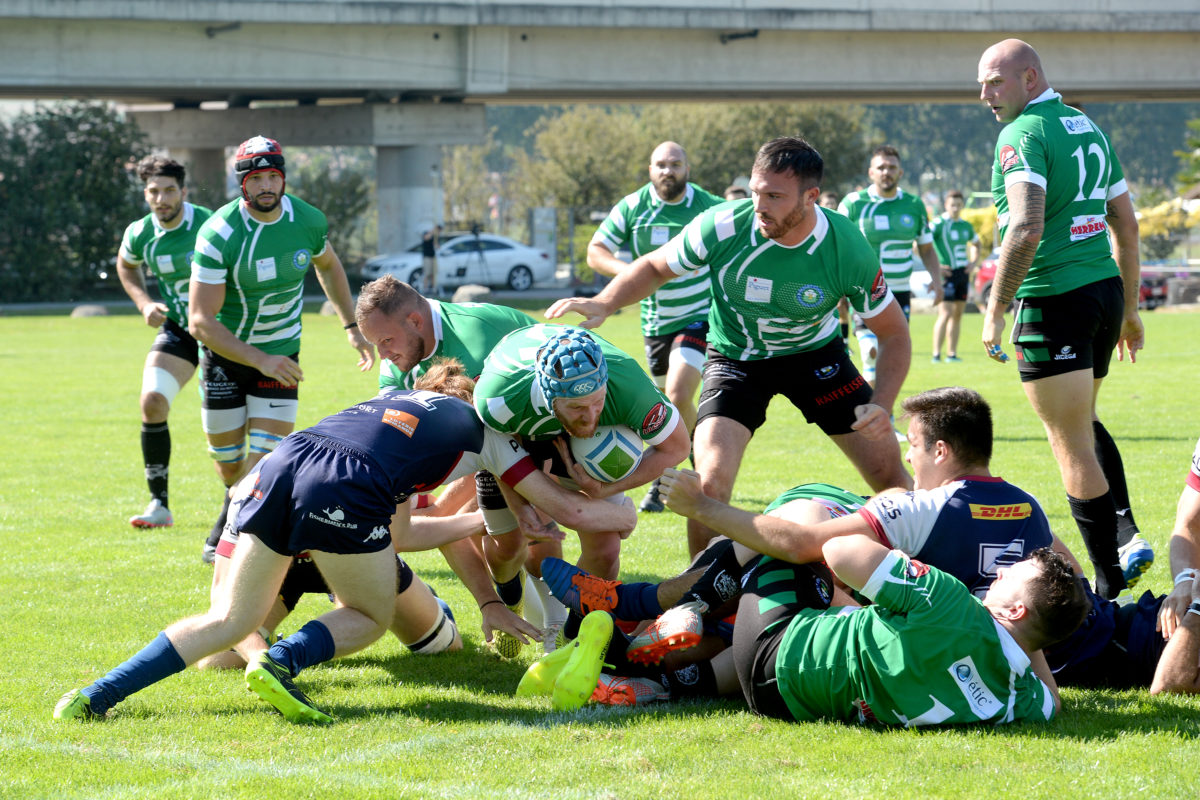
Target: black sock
(510,591)
(720,581)
(694,680)
(214,535)
(1114,472)
(571,626)
(156,455)
(845,326)
(1097,521)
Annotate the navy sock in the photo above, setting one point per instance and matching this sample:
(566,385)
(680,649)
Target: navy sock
(312,644)
(511,590)
(1097,522)
(214,535)
(155,661)
(721,581)
(694,680)
(637,601)
(156,456)
(1114,472)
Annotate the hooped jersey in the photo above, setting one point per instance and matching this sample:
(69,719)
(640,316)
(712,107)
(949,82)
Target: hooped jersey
(1059,149)
(926,653)
(463,331)
(892,225)
(969,527)
(509,399)
(770,299)
(838,502)
(950,238)
(643,222)
(262,266)
(168,253)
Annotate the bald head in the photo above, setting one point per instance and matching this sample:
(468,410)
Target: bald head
(669,171)
(1010,74)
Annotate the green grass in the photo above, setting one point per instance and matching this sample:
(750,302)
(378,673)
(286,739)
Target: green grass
(81,591)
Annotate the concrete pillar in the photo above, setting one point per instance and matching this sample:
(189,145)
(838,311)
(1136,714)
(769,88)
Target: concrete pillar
(409,190)
(206,178)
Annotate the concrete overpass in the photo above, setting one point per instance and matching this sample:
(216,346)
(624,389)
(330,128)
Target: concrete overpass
(421,71)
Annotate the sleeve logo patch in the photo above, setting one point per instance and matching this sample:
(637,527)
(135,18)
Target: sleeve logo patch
(1008,157)
(402,421)
(879,287)
(916,569)
(654,421)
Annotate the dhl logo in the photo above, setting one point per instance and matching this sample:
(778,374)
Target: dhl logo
(1018,511)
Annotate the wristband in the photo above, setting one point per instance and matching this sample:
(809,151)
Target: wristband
(351,325)
(488,603)
(1194,608)
(1185,575)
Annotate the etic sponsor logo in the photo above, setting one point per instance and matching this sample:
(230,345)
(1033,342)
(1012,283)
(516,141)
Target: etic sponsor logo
(979,697)
(1077,125)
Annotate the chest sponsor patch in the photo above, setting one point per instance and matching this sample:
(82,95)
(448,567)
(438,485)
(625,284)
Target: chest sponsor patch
(882,223)
(758,290)
(265,268)
(1009,157)
(1014,511)
(1087,226)
(654,421)
(659,235)
(402,421)
(165,263)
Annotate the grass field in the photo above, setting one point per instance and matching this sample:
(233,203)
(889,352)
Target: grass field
(81,591)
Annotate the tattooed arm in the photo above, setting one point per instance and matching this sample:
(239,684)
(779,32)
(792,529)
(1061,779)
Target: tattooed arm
(1026,221)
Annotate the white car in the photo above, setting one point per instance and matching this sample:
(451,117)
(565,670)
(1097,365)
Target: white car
(486,259)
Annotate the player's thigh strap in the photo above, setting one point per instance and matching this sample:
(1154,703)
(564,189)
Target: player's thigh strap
(272,408)
(228,454)
(499,521)
(439,636)
(157,380)
(222,420)
(263,442)
(686,355)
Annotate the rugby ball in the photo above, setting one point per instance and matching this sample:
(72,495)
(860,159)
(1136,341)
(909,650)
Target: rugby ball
(611,454)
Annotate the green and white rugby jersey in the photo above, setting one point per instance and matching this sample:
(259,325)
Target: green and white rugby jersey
(1058,148)
(840,502)
(262,266)
(168,254)
(509,399)
(926,653)
(643,222)
(770,299)
(951,237)
(465,331)
(892,226)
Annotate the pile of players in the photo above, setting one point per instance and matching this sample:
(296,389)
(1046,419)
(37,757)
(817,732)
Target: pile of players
(944,599)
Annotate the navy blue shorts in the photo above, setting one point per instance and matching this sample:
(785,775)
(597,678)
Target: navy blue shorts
(174,340)
(955,285)
(659,348)
(1130,657)
(823,383)
(1067,332)
(315,494)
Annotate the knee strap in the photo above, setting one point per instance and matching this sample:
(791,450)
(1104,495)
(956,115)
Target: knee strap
(263,442)
(438,637)
(159,381)
(229,454)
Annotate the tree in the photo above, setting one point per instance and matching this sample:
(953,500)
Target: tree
(340,181)
(1189,157)
(68,191)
